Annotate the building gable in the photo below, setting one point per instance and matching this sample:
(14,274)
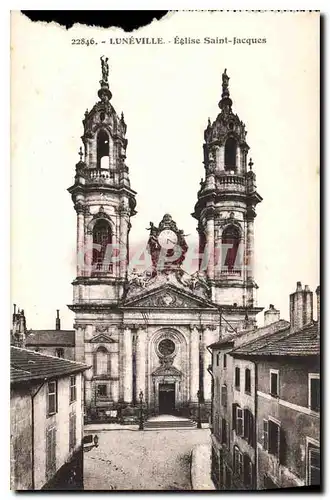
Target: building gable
(168,297)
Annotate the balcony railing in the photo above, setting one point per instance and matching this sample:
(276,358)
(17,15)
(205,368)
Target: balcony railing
(100,176)
(234,271)
(101,268)
(231,182)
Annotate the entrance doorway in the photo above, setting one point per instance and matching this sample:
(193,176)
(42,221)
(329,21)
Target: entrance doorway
(166,398)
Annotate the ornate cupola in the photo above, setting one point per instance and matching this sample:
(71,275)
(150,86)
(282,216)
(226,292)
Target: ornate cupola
(225,209)
(103,200)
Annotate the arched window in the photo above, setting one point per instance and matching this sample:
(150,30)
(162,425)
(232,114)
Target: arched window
(102,149)
(230,154)
(230,243)
(102,237)
(101,362)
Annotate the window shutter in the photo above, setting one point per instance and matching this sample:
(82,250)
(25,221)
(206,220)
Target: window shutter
(95,363)
(246,469)
(246,424)
(109,364)
(283,447)
(48,449)
(234,408)
(228,435)
(252,434)
(239,422)
(265,435)
(278,434)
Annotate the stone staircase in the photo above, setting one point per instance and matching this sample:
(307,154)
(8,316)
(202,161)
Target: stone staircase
(169,422)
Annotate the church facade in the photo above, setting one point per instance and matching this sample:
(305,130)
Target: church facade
(145,334)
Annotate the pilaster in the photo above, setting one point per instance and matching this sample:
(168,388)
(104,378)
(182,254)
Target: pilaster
(194,363)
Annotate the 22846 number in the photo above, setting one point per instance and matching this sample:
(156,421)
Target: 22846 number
(83,41)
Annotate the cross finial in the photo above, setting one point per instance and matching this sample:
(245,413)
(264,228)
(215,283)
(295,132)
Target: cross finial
(251,163)
(81,154)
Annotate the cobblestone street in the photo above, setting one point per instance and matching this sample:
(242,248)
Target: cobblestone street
(146,460)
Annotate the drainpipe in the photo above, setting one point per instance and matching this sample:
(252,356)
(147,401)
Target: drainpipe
(212,387)
(32,433)
(255,423)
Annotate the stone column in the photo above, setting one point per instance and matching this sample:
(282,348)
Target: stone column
(123,240)
(210,245)
(250,248)
(114,364)
(207,340)
(80,238)
(194,363)
(238,161)
(79,343)
(141,362)
(128,365)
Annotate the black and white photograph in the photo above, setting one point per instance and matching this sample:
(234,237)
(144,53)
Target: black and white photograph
(165,253)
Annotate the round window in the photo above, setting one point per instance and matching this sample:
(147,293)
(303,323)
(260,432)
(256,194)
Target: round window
(166,347)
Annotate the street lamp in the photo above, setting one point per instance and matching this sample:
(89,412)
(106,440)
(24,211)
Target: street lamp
(199,423)
(141,411)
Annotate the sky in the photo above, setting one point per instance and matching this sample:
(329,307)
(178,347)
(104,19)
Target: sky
(167,92)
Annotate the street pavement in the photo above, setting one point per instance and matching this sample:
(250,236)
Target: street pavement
(142,460)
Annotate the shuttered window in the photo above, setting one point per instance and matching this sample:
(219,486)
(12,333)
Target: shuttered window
(274,383)
(73,389)
(224,396)
(238,462)
(50,452)
(249,427)
(234,409)
(237,378)
(239,422)
(248,471)
(248,380)
(265,435)
(314,392)
(52,398)
(313,465)
(72,431)
(273,438)
(223,431)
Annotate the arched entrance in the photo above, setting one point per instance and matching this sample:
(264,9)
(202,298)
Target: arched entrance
(168,349)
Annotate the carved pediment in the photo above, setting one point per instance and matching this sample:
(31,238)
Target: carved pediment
(102,339)
(165,370)
(167,297)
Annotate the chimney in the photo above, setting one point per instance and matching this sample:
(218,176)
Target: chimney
(317,291)
(271,316)
(58,321)
(301,307)
(19,327)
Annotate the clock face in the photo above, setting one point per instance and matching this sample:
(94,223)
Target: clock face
(167,239)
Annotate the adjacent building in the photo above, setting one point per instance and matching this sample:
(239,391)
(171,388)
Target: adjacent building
(59,343)
(266,404)
(149,331)
(46,402)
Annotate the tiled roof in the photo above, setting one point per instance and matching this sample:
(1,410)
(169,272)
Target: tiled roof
(28,365)
(262,333)
(65,338)
(305,342)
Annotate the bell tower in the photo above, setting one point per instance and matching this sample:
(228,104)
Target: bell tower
(104,202)
(225,211)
